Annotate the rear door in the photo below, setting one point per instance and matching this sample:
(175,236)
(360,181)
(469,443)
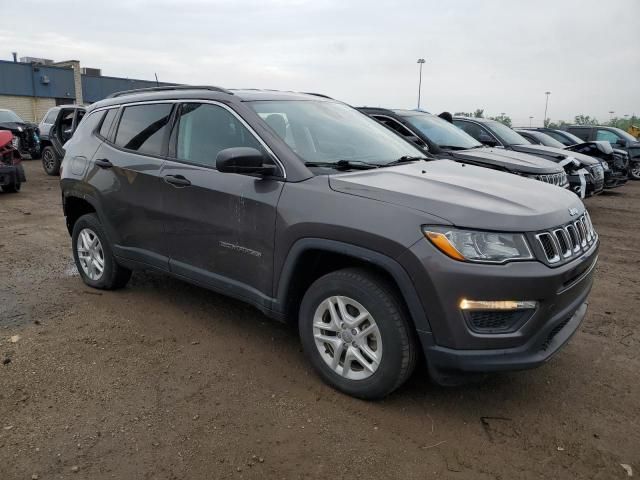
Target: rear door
(220,226)
(126,175)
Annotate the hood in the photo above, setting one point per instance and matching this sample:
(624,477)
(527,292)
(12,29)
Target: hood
(15,126)
(464,195)
(509,160)
(556,154)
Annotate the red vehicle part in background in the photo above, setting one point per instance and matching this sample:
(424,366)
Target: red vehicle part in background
(11,172)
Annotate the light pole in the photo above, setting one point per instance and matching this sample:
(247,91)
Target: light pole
(421,61)
(530,118)
(546,105)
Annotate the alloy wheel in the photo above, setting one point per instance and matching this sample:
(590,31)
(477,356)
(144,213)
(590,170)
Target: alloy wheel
(347,337)
(90,254)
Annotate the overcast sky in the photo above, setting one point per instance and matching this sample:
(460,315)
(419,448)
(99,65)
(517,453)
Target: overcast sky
(500,55)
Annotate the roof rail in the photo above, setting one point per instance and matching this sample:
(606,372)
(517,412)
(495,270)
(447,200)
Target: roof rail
(318,95)
(169,88)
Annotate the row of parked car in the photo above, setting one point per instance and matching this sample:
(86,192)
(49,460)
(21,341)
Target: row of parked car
(586,159)
(587,164)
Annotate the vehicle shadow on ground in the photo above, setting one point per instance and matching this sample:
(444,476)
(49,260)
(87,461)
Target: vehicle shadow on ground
(215,313)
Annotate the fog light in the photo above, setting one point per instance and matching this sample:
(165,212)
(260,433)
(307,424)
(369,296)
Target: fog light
(497,304)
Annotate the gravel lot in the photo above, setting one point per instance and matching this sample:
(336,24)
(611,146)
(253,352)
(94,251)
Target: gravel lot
(169,381)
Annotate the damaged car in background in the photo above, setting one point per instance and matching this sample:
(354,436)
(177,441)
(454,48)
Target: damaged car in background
(443,140)
(11,171)
(26,135)
(614,161)
(586,174)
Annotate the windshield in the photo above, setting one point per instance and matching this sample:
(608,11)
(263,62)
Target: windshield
(572,137)
(9,116)
(321,131)
(442,133)
(509,136)
(547,140)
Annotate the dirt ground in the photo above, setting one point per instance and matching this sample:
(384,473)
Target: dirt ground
(163,380)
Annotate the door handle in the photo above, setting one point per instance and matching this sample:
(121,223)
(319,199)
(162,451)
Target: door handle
(177,180)
(103,163)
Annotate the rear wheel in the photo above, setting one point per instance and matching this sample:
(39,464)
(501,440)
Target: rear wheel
(93,255)
(13,188)
(356,334)
(634,171)
(50,161)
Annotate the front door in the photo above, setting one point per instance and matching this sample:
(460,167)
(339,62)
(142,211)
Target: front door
(220,226)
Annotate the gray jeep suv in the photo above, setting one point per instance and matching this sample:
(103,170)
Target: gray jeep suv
(311,211)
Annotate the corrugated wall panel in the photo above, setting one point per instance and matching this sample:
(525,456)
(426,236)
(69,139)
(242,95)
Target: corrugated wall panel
(98,88)
(22,79)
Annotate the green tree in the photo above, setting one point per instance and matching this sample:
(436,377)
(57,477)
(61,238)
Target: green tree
(463,114)
(585,120)
(479,113)
(504,119)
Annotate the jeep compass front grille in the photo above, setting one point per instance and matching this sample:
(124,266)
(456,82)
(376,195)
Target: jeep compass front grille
(567,241)
(557,179)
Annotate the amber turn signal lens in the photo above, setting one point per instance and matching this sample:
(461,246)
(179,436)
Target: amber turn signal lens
(441,241)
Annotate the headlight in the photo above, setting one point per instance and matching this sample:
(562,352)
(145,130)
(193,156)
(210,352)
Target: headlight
(477,246)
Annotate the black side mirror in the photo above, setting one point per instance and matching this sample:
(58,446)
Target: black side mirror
(488,141)
(622,142)
(245,161)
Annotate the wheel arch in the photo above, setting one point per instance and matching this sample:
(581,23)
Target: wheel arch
(310,258)
(74,206)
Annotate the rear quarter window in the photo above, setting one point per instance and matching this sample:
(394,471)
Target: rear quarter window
(107,122)
(142,128)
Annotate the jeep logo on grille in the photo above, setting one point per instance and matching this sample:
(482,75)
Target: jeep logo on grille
(573,212)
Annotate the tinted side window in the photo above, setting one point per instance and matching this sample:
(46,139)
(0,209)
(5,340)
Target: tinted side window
(607,136)
(398,127)
(108,120)
(204,130)
(142,128)
(476,131)
(582,133)
(561,138)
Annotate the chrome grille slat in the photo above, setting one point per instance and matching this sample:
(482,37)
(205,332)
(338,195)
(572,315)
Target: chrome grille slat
(567,241)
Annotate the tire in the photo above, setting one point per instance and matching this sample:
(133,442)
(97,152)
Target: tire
(634,170)
(13,188)
(112,276)
(393,342)
(50,161)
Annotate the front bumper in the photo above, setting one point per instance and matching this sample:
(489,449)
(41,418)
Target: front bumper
(613,179)
(450,345)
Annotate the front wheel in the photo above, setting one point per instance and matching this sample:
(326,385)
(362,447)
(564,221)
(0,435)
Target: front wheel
(634,171)
(93,255)
(356,334)
(50,161)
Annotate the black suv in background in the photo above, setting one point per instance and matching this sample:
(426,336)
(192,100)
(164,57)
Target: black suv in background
(438,137)
(617,138)
(311,211)
(614,161)
(56,128)
(26,136)
(586,175)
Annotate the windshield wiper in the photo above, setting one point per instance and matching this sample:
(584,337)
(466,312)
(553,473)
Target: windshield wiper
(404,159)
(344,165)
